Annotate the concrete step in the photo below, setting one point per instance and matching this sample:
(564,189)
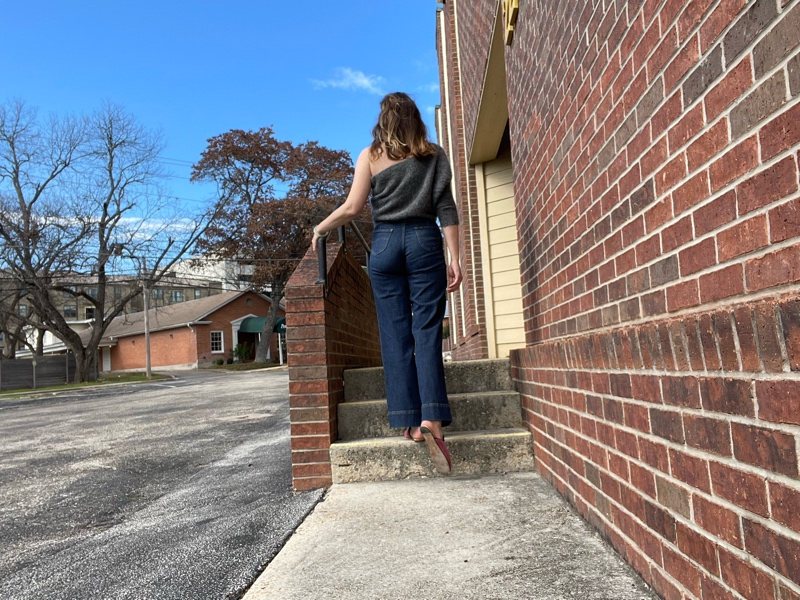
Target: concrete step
(473,452)
(461,377)
(475,411)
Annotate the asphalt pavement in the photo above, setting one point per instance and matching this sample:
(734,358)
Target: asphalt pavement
(176,489)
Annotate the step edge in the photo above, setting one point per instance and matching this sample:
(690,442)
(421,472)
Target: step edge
(516,432)
(457,396)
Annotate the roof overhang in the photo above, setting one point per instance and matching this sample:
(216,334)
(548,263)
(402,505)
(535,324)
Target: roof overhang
(493,108)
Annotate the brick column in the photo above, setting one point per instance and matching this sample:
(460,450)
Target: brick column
(329,329)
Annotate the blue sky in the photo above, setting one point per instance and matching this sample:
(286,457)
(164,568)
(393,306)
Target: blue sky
(314,70)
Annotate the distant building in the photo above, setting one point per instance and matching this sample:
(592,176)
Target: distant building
(187,335)
(231,274)
(79,312)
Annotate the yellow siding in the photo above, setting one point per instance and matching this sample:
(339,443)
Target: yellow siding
(505,315)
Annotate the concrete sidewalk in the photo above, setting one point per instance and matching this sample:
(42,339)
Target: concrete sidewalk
(508,536)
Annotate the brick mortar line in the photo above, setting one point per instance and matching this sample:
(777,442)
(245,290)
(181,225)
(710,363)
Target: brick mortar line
(577,113)
(721,302)
(720,38)
(609,90)
(695,527)
(565,86)
(705,455)
(741,512)
(725,114)
(715,306)
(731,186)
(661,373)
(782,428)
(754,254)
(640,550)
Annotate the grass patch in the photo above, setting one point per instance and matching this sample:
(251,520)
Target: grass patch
(103,379)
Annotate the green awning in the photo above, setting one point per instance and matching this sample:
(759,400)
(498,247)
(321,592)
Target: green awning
(280,325)
(252,325)
(256,325)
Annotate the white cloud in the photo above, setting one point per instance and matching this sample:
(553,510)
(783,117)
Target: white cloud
(348,79)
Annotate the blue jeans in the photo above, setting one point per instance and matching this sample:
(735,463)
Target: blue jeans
(409,281)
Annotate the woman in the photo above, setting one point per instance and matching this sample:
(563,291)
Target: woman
(409,179)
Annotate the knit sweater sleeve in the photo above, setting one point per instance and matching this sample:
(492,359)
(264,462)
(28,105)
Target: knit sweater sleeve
(443,201)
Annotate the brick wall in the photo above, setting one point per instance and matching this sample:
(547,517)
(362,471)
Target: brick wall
(329,329)
(655,149)
(221,321)
(467,308)
(167,348)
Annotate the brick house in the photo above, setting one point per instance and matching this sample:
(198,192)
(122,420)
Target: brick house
(185,335)
(641,160)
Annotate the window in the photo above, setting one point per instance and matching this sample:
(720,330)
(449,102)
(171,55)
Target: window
(157,294)
(198,294)
(70,291)
(91,292)
(176,296)
(117,292)
(70,311)
(89,311)
(216,342)
(23,310)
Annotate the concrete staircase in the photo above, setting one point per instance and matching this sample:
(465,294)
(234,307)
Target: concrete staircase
(487,434)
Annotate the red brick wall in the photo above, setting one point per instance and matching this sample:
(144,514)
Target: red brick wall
(478,18)
(467,314)
(329,329)
(167,348)
(655,151)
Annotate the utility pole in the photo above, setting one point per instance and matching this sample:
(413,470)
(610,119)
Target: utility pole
(146,293)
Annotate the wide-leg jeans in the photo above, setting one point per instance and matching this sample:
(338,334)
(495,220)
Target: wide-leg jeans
(409,280)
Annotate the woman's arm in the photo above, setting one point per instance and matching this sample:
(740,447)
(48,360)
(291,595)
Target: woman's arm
(356,199)
(454,268)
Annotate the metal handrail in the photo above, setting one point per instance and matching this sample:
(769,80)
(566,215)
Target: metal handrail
(322,252)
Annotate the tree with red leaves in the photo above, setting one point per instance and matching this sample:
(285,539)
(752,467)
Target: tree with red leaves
(271,193)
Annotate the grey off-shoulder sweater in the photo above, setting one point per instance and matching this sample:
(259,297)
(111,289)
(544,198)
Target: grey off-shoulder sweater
(415,189)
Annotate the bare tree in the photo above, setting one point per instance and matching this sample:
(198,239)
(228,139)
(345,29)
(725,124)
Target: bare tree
(80,199)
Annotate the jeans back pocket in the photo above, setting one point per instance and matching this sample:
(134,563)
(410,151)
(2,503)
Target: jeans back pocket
(429,238)
(380,239)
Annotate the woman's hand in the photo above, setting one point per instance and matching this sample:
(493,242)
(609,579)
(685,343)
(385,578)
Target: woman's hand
(314,240)
(453,276)
(318,236)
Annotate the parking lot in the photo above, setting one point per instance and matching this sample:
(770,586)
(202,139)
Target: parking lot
(172,489)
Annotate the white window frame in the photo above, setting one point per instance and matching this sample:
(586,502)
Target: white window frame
(221,342)
(176,296)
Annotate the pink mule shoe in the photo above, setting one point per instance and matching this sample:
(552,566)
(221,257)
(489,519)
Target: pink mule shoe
(440,455)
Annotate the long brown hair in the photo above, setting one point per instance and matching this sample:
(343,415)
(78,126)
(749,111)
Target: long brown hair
(400,131)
